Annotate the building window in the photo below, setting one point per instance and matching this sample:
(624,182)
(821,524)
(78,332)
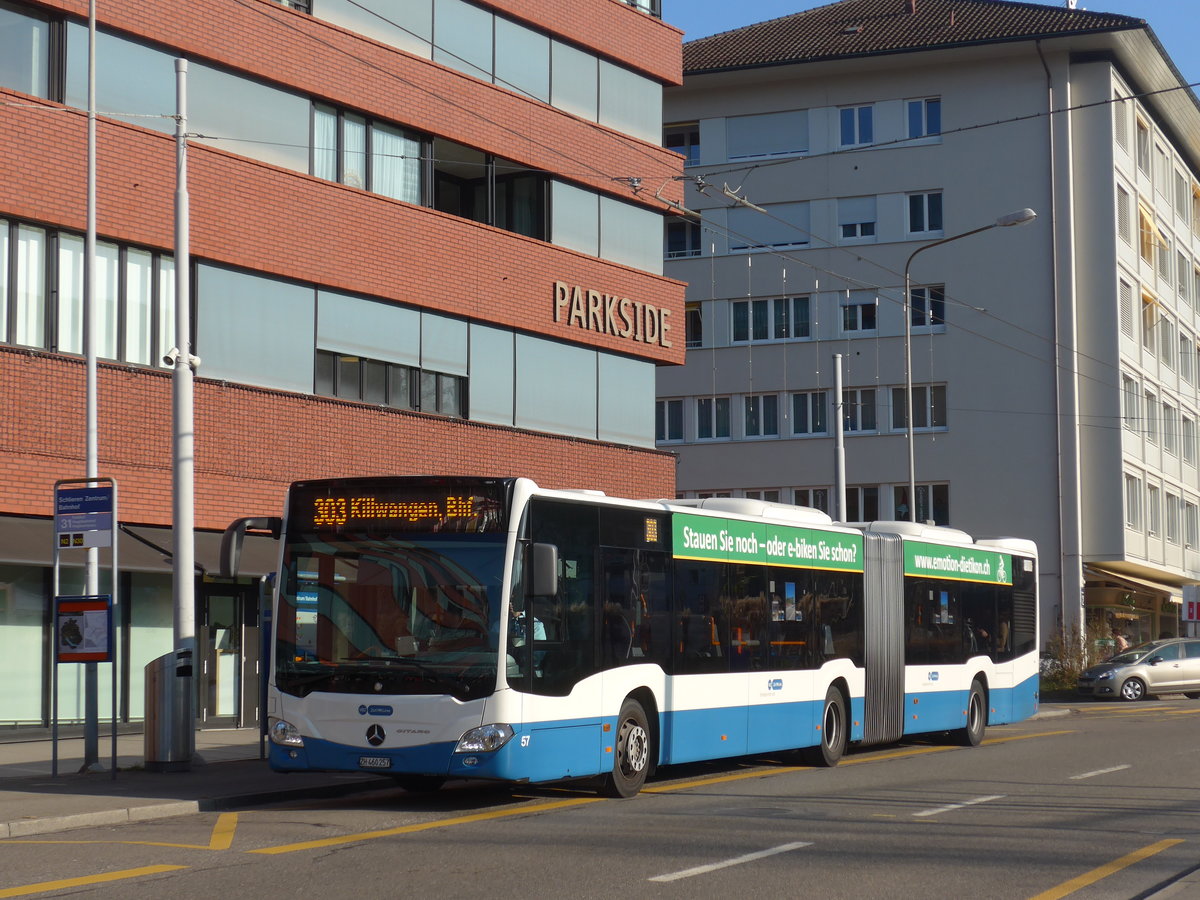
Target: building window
(784,225)
(1143,145)
(1149,320)
(1173,516)
(1147,234)
(815,498)
(924,118)
(858,312)
(808,412)
(761,415)
(929,407)
(685,140)
(862,504)
(1183,276)
(683,238)
(1151,422)
(927,306)
(1121,121)
(362,153)
(857,125)
(768,496)
(858,410)
(925,213)
(1133,502)
(1131,403)
(1191,524)
(933,503)
(1170,429)
(1187,438)
(693,320)
(25,63)
(668,420)
(856,219)
(390,384)
(784,318)
(1124,226)
(1167,342)
(712,418)
(1153,511)
(653,7)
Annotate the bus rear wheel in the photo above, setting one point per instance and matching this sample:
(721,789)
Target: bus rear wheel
(631,752)
(972,735)
(833,732)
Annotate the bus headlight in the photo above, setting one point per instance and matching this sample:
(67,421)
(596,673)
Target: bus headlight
(484,739)
(284,733)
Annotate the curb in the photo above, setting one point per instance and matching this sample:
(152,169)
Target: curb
(174,808)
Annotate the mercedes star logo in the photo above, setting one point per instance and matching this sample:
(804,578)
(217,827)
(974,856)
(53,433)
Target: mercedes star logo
(375,735)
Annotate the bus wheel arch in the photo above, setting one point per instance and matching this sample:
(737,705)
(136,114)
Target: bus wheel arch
(634,746)
(834,731)
(977,714)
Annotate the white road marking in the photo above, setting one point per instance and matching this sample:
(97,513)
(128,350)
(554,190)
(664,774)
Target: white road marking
(1098,772)
(736,861)
(953,806)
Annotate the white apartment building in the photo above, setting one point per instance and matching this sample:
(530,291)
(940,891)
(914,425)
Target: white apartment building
(1054,365)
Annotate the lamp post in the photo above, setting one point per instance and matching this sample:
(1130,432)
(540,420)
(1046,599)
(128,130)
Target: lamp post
(1020,217)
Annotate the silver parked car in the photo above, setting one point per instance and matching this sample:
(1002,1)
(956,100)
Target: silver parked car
(1158,667)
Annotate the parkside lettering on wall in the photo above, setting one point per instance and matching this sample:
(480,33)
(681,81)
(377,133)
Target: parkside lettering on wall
(610,314)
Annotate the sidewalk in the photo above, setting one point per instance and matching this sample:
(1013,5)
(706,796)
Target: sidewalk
(231,775)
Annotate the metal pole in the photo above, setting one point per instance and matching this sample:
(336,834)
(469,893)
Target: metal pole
(839,429)
(183,421)
(91,682)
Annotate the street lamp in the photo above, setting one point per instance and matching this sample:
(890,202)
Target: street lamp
(1020,217)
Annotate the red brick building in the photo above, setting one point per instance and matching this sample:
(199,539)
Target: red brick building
(429,243)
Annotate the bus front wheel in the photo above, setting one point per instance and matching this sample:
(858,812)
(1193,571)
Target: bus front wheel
(631,752)
(833,732)
(972,735)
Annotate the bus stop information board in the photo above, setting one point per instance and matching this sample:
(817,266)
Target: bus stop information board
(83,517)
(83,629)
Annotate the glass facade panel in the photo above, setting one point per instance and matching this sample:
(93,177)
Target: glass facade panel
(354,151)
(166,309)
(462,37)
(30,299)
(630,102)
(70,293)
(3,280)
(265,123)
(395,164)
(522,60)
(368,328)
(248,329)
(24,52)
(407,24)
(548,401)
(325,143)
(151,618)
(574,81)
(130,78)
(626,414)
(443,344)
(767,134)
(108,299)
(575,218)
(22,616)
(139,309)
(491,385)
(629,234)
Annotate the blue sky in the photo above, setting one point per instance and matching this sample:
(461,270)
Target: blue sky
(1176,22)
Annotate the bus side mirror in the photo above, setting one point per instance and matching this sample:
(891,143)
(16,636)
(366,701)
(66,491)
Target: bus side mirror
(235,536)
(543,570)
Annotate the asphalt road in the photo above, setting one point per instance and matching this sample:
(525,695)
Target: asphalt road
(1101,803)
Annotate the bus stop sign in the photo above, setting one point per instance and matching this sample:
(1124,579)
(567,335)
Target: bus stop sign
(83,517)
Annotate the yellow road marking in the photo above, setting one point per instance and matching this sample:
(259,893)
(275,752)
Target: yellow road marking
(1082,881)
(221,839)
(1025,737)
(43,886)
(427,826)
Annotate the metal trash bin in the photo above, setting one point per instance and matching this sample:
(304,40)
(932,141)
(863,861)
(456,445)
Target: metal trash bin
(170,726)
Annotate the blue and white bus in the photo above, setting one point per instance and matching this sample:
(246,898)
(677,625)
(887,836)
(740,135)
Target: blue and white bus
(484,628)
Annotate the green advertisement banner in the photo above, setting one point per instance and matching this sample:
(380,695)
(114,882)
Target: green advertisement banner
(731,540)
(957,563)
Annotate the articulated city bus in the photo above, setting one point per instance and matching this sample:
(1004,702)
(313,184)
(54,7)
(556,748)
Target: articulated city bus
(484,628)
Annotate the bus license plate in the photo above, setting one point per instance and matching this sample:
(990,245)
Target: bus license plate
(374,762)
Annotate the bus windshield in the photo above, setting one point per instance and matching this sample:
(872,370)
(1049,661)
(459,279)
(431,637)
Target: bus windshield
(364,614)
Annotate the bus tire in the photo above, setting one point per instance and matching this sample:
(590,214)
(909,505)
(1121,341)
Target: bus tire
(631,753)
(972,735)
(833,732)
(419,784)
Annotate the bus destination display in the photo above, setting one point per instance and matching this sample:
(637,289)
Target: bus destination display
(358,507)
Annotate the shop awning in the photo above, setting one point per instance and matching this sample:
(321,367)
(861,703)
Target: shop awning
(28,541)
(1173,592)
